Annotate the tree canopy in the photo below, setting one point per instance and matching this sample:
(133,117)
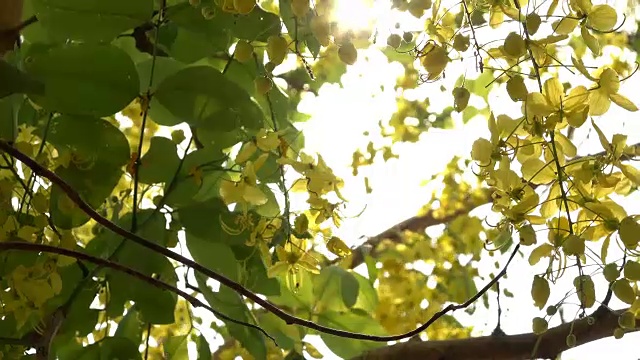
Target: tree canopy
(157,200)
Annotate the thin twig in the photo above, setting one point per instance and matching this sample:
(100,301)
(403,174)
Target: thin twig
(26,246)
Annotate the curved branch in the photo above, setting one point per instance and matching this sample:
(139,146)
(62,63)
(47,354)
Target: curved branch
(511,347)
(26,246)
(415,224)
(288,318)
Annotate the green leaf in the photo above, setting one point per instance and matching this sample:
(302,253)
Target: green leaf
(231,304)
(175,347)
(17,110)
(367,297)
(257,25)
(84,79)
(156,305)
(163,67)
(354,322)
(94,185)
(93,139)
(203,97)
(349,287)
(254,272)
(160,163)
(16,81)
(214,255)
(91,20)
(204,351)
(335,288)
(130,326)
(110,348)
(286,336)
(190,46)
(99,149)
(202,219)
(81,319)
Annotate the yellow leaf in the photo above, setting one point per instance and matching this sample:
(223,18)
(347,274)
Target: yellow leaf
(585,290)
(260,161)
(609,81)
(554,92)
(533,22)
(26,233)
(599,102)
(629,232)
(602,17)
(623,291)
(576,99)
(537,105)
(538,253)
(481,151)
(579,65)
(623,102)
(565,26)
(305,264)
(552,7)
(267,141)
(603,139)
(583,6)
(435,61)
(337,247)
(592,43)
(573,245)
(56,282)
(254,196)
(516,88)
(577,118)
(568,148)
(231,192)
(461,98)
(537,171)
(514,45)
(527,235)
(631,172)
(618,144)
(277,269)
(540,291)
(247,150)
(604,251)
(312,351)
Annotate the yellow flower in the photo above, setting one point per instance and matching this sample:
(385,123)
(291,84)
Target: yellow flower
(265,230)
(293,257)
(244,191)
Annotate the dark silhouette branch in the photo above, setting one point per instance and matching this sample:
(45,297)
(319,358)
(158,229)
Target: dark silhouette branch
(26,246)
(511,347)
(288,318)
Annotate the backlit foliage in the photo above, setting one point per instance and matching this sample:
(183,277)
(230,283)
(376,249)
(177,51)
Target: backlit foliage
(177,121)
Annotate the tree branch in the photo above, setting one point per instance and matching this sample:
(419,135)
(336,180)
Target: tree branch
(288,318)
(418,224)
(513,347)
(26,246)
(10,16)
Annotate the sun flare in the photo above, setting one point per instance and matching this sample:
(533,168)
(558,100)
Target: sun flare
(354,14)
